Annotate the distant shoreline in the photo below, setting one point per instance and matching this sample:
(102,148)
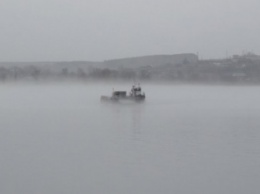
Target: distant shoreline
(178,68)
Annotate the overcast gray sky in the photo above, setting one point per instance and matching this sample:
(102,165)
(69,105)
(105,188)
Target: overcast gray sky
(53,30)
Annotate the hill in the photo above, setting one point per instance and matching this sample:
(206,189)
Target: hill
(152,60)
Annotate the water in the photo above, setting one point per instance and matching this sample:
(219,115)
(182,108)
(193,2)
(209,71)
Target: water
(59,139)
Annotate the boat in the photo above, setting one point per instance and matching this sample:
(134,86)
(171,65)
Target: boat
(135,95)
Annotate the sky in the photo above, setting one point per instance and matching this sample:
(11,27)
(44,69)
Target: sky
(97,30)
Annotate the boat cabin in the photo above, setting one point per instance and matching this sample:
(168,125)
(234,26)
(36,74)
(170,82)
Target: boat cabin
(119,94)
(136,91)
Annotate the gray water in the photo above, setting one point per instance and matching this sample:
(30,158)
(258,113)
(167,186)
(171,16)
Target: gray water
(60,139)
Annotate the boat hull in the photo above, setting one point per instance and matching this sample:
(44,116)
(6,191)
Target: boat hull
(140,98)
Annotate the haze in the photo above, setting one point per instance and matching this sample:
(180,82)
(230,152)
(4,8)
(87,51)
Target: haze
(54,30)
(60,139)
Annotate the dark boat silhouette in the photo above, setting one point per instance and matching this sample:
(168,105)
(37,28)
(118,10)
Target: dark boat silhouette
(135,94)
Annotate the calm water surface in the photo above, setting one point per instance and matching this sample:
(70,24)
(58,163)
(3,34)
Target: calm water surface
(60,139)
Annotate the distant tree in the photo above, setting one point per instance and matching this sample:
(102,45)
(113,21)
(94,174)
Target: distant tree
(64,72)
(15,73)
(185,61)
(35,72)
(3,73)
(145,74)
(81,73)
(127,73)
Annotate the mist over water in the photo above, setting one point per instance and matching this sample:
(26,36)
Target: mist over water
(59,138)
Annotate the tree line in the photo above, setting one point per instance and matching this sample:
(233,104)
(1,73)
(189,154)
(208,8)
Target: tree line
(241,69)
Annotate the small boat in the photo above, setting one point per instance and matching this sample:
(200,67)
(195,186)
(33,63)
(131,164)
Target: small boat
(135,94)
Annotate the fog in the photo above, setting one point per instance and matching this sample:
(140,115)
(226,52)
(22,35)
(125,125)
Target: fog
(59,138)
(61,30)
(197,130)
